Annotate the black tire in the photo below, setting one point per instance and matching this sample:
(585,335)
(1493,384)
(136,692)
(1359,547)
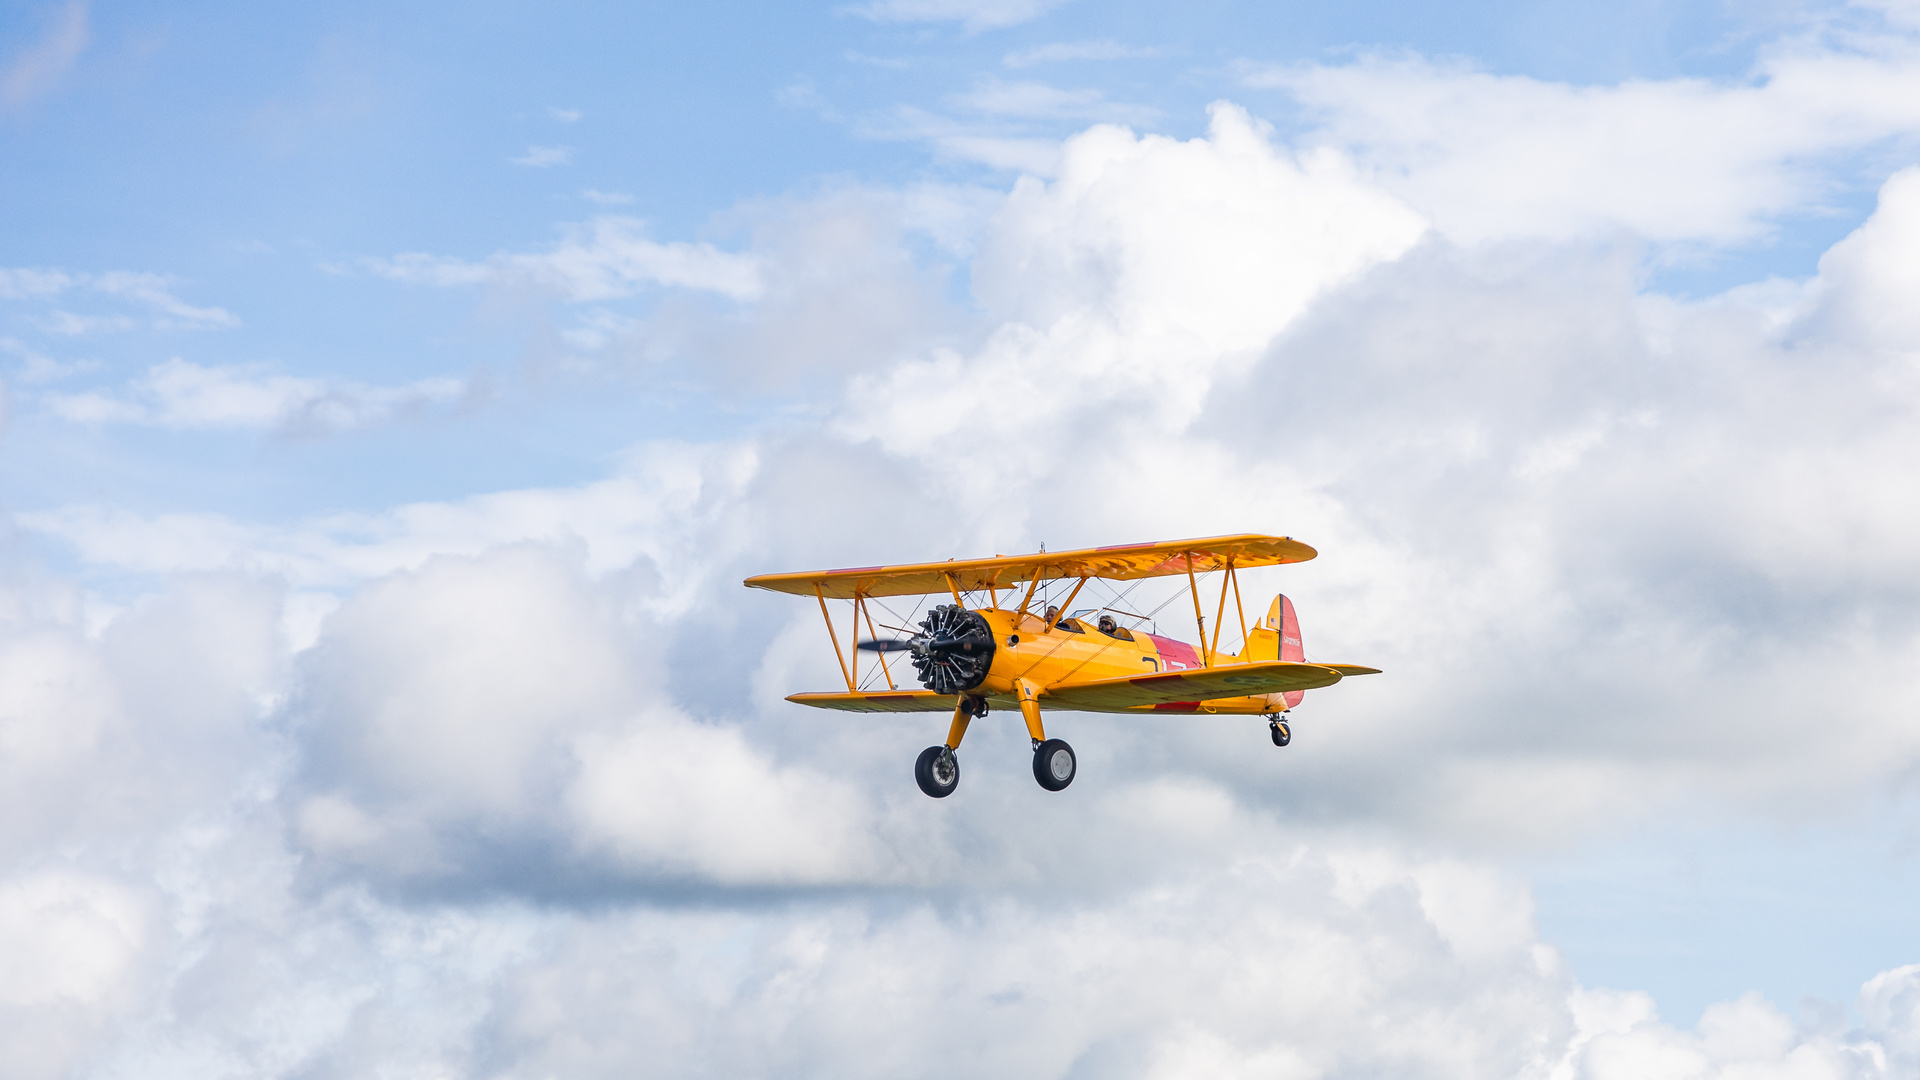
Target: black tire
(1282,734)
(937,772)
(1053,759)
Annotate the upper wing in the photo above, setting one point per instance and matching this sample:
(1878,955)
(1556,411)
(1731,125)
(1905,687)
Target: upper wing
(1201,684)
(888,701)
(1124,562)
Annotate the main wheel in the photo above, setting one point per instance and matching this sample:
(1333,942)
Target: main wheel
(1053,765)
(937,772)
(1282,734)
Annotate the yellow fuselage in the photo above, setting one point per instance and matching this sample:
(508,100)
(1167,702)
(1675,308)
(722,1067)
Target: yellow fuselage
(1025,649)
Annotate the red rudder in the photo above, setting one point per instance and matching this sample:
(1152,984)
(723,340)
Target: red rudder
(1282,620)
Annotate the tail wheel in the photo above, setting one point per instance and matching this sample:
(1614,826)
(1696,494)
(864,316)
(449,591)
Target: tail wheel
(1054,765)
(1282,734)
(937,772)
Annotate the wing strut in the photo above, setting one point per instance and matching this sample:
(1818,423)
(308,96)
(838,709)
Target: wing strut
(1032,585)
(835,638)
(871,632)
(1220,616)
(1240,608)
(1063,607)
(1199,620)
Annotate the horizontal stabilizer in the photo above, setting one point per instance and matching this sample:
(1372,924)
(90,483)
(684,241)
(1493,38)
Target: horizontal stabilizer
(881,701)
(1200,684)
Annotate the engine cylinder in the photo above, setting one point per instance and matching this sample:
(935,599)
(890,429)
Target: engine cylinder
(954,650)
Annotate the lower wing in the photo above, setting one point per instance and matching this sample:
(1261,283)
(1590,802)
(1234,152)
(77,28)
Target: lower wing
(1126,692)
(889,701)
(1201,684)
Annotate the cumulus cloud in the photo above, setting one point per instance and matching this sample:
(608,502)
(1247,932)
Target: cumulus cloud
(183,395)
(500,718)
(1586,480)
(672,504)
(1619,1038)
(534,772)
(1125,306)
(1507,156)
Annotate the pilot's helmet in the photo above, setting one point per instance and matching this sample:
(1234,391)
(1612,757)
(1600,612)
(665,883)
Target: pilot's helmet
(1107,625)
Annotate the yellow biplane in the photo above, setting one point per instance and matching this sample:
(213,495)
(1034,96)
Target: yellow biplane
(968,657)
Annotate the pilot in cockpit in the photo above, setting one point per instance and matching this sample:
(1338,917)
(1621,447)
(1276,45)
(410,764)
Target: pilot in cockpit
(1053,614)
(1108,626)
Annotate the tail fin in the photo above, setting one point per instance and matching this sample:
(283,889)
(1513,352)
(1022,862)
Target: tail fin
(1278,638)
(1280,617)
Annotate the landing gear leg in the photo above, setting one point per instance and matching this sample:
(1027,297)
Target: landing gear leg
(1282,734)
(1053,761)
(938,770)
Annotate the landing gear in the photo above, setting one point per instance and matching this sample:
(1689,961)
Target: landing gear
(937,772)
(1282,734)
(1053,764)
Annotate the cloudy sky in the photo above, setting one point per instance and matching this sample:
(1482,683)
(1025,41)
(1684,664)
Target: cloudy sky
(395,396)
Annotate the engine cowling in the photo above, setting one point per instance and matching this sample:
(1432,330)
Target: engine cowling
(954,650)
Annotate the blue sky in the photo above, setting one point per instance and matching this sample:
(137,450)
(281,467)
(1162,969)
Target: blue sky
(395,398)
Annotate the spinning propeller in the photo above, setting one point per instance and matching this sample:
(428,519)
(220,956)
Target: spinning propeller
(891,645)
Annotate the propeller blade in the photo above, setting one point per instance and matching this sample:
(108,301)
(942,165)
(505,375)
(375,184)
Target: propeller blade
(886,646)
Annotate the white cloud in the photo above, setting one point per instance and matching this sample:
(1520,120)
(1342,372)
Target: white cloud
(1239,327)
(975,14)
(663,509)
(891,63)
(37,68)
(605,198)
(1064,51)
(545,157)
(1033,100)
(152,293)
(984,144)
(1504,156)
(1115,302)
(508,696)
(530,804)
(1867,280)
(36,368)
(1622,1040)
(565,116)
(183,395)
(1001,124)
(607,258)
(65,937)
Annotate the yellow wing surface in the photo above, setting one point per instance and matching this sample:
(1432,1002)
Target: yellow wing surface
(1200,684)
(1124,562)
(1127,692)
(881,701)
